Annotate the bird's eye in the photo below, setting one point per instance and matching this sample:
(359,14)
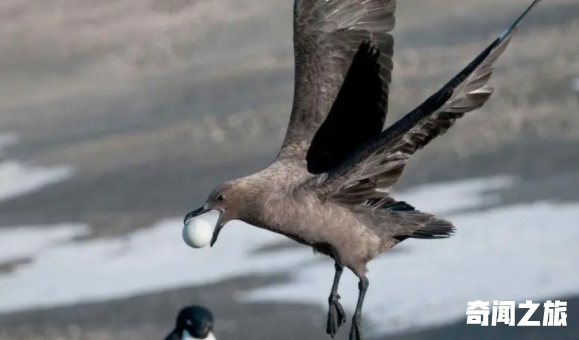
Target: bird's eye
(220,198)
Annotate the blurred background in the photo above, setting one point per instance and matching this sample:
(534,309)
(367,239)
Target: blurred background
(118,117)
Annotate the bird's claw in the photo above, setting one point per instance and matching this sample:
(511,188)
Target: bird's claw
(336,315)
(356,329)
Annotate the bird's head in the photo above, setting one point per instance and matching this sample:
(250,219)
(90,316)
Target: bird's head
(230,200)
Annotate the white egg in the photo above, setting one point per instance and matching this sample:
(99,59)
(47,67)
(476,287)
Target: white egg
(198,231)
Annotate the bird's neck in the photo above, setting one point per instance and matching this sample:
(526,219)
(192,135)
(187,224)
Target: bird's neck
(210,336)
(187,336)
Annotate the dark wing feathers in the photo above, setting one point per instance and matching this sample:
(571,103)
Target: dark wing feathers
(327,35)
(356,115)
(380,161)
(398,206)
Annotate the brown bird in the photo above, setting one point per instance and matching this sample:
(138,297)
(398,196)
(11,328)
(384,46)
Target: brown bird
(329,186)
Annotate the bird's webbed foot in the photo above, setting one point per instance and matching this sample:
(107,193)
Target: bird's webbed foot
(336,315)
(356,329)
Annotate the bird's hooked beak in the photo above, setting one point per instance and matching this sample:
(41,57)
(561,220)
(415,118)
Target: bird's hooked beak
(201,211)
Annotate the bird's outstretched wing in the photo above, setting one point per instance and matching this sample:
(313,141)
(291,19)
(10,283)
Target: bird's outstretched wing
(356,113)
(327,35)
(374,167)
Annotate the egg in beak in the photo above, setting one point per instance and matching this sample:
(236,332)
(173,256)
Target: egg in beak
(202,227)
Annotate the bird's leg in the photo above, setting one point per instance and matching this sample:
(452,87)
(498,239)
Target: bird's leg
(356,329)
(336,315)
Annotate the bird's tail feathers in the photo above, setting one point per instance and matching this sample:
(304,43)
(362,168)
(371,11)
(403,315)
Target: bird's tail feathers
(403,221)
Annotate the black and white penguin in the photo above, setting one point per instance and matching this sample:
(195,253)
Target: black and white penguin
(193,322)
